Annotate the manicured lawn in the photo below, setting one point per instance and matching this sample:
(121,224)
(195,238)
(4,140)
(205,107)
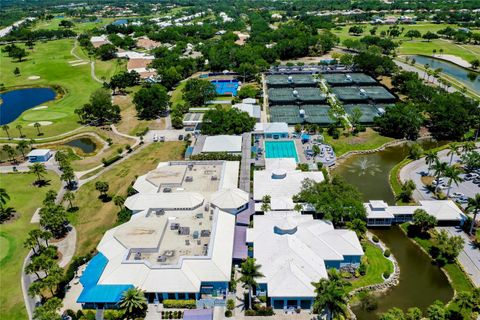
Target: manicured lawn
(377,265)
(49,61)
(25,198)
(177,94)
(94,216)
(367,140)
(458,279)
(78,27)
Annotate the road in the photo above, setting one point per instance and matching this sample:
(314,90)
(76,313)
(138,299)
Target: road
(469,258)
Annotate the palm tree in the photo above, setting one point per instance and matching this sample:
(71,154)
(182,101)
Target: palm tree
(39,170)
(331,296)
(298,207)
(4,197)
(37,126)
(430,158)
(6,128)
(22,146)
(9,151)
(119,200)
(453,175)
(134,303)
(250,272)
(427,66)
(69,196)
(473,206)
(266,203)
(454,150)
(19,128)
(468,146)
(439,169)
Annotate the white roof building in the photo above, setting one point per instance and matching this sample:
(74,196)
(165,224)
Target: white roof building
(181,234)
(380,213)
(39,153)
(294,251)
(253,111)
(281,181)
(223,143)
(249,101)
(271,127)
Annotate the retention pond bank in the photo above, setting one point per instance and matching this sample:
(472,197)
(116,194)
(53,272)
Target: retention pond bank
(421,283)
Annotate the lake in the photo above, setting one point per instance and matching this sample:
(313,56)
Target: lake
(421,283)
(458,73)
(15,102)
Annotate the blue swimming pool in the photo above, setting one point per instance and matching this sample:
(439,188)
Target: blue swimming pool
(281,149)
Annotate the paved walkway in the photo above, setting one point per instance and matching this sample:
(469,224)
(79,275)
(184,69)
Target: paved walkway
(469,258)
(422,74)
(244,183)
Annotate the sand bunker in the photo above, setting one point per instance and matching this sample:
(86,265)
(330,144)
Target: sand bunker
(40,108)
(75,61)
(42,123)
(33,78)
(79,64)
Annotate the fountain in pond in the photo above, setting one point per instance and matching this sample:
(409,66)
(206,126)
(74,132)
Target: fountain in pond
(364,167)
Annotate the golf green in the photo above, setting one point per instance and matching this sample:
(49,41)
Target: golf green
(43,115)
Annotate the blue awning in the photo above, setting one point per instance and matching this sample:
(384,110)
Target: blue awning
(93,293)
(198,314)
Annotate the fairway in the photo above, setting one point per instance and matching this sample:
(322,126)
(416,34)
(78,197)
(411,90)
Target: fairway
(50,61)
(25,198)
(4,247)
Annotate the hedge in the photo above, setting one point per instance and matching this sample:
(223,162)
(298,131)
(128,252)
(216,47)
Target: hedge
(179,304)
(109,161)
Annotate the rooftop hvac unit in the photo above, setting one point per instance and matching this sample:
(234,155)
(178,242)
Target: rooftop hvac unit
(161,259)
(214,178)
(174,226)
(169,253)
(189,179)
(302,113)
(138,256)
(184,231)
(363,92)
(290,79)
(205,233)
(295,93)
(190,166)
(167,190)
(348,77)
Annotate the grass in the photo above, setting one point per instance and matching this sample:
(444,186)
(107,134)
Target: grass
(457,277)
(94,216)
(25,198)
(367,140)
(395,181)
(177,94)
(50,61)
(418,46)
(377,265)
(78,27)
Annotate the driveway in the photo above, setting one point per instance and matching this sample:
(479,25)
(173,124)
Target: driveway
(170,135)
(469,258)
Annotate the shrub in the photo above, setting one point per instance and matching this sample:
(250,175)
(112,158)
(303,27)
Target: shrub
(386,274)
(109,161)
(386,253)
(375,239)
(250,313)
(228,313)
(346,275)
(264,311)
(262,299)
(362,269)
(179,304)
(230,304)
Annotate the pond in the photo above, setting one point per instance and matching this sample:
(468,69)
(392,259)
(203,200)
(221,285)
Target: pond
(15,102)
(87,145)
(458,73)
(421,283)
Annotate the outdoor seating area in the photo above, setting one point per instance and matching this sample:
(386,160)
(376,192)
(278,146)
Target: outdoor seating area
(314,149)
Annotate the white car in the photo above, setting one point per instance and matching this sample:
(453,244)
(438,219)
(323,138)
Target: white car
(458,195)
(155,138)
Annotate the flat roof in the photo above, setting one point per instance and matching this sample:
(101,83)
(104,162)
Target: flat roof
(292,249)
(253,111)
(223,143)
(38,152)
(271,127)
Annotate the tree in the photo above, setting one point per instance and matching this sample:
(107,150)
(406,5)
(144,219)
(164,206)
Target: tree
(355,116)
(119,200)
(402,120)
(68,176)
(393,314)
(266,203)
(9,151)
(102,187)
(19,128)
(40,263)
(475,63)
(439,169)
(356,30)
(106,52)
(38,169)
(6,213)
(423,220)
(69,196)
(334,200)
(346,59)
(53,218)
(37,126)
(436,311)
(413,314)
(248,71)
(151,101)
(231,121)
(454,149)
(406,191)
(34,238)
(100,109)
(248,91)
(197,92)
(133,303)
(123,80)
(6,128)
(16,71)
(449,247)
(473,206)
(50,197)
(412,33)
(331,296)
(250,272)
(18,53)
(430,158)
(359,226)
(430,36)
(374,63)
(49,310)
(453,175)
(4,197)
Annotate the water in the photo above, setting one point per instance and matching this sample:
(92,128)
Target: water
(15,102)
(85,144)
(421,283)
(281,149)
(458,73)
(120,22)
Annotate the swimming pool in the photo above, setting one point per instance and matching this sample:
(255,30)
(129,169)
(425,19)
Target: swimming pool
(281,149)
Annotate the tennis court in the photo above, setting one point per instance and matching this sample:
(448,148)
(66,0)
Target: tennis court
(317,114)
(298,80)
(348,79)
(285,113)
(369,111)
(226,87)
(281,149)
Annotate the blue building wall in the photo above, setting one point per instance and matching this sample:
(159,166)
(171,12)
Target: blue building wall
(295,302)
(276,135)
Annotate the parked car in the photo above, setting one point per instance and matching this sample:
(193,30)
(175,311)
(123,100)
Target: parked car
(155,138)
(458,195)
(470,176)
(162,139)
(180,137)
